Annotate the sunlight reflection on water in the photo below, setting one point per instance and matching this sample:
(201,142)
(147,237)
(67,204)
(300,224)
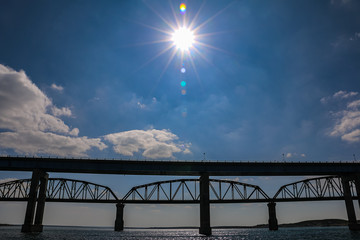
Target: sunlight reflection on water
(73,233)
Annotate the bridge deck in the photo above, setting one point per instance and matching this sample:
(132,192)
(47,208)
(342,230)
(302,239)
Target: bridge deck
(178,168)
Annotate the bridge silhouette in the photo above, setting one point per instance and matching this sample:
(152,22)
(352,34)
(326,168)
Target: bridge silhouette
(204,191)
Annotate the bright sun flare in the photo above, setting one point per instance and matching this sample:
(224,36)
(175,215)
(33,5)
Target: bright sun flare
(183,38)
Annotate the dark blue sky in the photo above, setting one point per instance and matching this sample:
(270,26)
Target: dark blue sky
(265,80)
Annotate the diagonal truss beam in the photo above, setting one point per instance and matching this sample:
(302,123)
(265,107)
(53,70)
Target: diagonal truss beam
(61,189)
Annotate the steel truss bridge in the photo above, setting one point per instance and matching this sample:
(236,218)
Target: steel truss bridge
(179,191)
(344,184)
(59,190)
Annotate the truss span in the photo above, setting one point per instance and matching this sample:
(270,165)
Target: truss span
(321,188)
(59,190)
(188,191)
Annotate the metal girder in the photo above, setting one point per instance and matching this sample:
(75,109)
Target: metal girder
(321,188)
(187,190)
(179,168)
(61,189)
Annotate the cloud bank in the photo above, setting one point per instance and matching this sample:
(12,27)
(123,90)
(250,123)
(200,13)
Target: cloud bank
(154,143)
(31,124)
(347,120)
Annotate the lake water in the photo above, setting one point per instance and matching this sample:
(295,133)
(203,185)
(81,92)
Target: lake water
(74,233)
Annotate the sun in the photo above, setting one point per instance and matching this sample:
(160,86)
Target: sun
(183,38)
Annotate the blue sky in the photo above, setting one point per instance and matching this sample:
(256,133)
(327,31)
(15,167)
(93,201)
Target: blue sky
(265,80)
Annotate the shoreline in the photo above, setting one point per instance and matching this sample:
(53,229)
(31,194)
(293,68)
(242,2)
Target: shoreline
(307,223)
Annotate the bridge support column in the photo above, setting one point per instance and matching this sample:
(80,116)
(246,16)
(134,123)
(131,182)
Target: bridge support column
(119,221)
(29,226)
(273,223)
(357,186)
(204,205)
(352,222)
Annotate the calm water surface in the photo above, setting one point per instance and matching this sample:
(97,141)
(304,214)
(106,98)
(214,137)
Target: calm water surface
(72,233)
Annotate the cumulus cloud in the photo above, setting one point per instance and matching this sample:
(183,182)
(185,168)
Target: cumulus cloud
(294,155)
(57,87)
(338,95)
(37,142)
(354,104)
(347,121)
(344,94)
(154,143)
(31,122)
(61,111)
(353,136)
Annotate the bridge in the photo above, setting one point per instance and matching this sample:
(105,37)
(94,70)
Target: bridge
(345,185)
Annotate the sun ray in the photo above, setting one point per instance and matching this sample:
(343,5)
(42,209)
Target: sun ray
(196,15)
(215,48)
(212,18)
(195,70)
(148,43)
(175,15)
(164,70)
(153,28)
(182,57)
(211,34)
(162,18)
(203,57)
(155,57)
(168,63)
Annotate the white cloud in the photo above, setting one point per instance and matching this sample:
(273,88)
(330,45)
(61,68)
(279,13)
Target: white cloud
(338,96)
(294,155)
(236,179)
(61,111)
(353,136)
(347,122)
(344,94)
(140,105)
(57,87)
(31,121)
(31,124)
(154,143)
(37,142)
(354,104)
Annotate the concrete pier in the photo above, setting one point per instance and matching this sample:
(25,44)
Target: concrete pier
(273,223)
(349,204)
(29,225)
(119,220)
(204,205)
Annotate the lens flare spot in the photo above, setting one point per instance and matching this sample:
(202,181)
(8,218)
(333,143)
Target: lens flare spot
(182,8)
(184,112)
(183,70)
(183,83)
(183,38)
(183,92)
